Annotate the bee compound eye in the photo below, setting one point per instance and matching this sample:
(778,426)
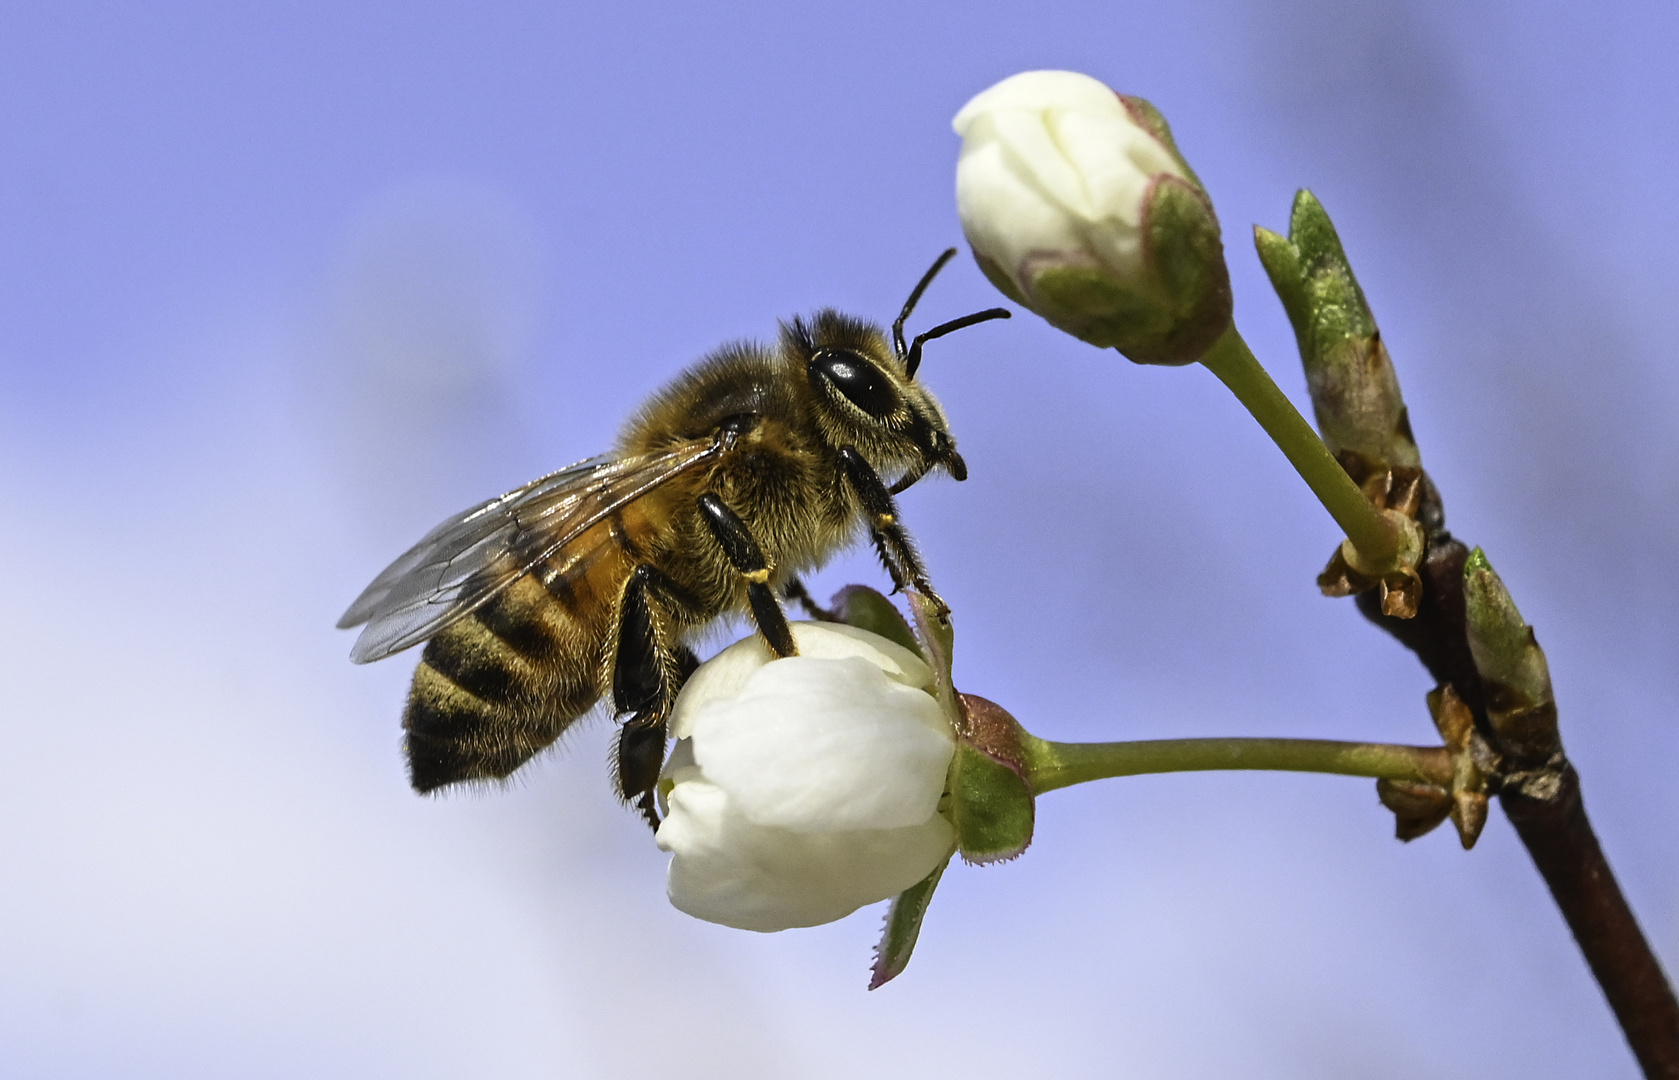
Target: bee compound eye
(860,381)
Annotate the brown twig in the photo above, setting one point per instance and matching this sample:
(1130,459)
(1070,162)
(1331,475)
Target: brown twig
(1564,848)
(1362,418)
(1553,826)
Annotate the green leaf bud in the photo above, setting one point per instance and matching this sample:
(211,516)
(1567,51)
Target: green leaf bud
(1355,393)
(1514,675)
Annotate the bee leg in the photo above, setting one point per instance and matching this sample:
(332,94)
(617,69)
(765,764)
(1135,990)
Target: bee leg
(796,592)
(647,671)
(891,541)
(748,558)
(686,664)
(640,754)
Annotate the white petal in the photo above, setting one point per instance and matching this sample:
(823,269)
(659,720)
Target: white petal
(1054,170)
(1034,151)
(1006,215)
(831,641)
(1033,90)
(1116,159)
(801,789)
(679,768)
(719,678)
(725,674)
(727,870)
(824,745)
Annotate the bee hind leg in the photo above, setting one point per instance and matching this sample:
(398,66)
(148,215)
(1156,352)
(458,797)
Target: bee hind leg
(748,558)
(648,670)
(640,754)
(891,540)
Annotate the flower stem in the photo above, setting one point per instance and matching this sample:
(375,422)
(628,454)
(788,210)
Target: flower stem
(1052,765)
(1236,366)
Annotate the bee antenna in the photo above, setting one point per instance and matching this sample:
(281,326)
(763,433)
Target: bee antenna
(913,360)
(914,298)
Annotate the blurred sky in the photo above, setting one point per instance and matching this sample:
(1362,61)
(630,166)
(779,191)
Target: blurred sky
(283,284)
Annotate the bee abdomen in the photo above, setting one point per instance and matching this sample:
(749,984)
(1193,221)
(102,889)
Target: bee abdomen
(480,664)
(498,687)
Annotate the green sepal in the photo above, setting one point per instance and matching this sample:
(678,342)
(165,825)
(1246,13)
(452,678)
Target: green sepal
(990,805)
(987,797)
(903,927)
(1088,302)
(1151,120)
(867,609)
(1186,256)
(990,789)
(1173,311)
(937,638)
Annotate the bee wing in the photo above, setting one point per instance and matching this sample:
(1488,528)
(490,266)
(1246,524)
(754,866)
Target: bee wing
(455,539)
(474,555)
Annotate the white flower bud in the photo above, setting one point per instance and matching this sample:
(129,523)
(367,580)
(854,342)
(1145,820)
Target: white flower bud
(1078,205)
(801,789)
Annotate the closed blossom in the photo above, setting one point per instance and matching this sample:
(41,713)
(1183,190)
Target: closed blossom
(801,789)
(1078,205)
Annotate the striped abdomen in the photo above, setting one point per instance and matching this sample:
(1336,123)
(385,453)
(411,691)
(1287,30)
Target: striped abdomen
(502,684)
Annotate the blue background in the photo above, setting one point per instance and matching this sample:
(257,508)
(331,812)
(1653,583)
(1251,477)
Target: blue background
(281,285)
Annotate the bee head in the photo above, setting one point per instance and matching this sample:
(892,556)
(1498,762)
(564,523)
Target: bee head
(863,397)
(868,397)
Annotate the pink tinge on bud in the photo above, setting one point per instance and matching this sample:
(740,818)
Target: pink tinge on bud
(991,799)
(993,730)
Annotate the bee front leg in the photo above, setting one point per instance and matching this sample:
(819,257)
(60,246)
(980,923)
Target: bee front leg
(794,591)
(891,540)
(648,669)
(748,558)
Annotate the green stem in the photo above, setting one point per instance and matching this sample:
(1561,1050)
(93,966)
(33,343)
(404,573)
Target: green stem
(1236,366)
(1052,765)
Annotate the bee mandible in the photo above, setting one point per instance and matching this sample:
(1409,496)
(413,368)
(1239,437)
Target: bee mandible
(751,467)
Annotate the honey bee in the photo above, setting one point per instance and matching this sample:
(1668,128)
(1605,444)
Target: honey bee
(751,467)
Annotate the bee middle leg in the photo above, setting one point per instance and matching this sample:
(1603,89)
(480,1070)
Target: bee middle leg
(648,670)
(891,540)
(748,558)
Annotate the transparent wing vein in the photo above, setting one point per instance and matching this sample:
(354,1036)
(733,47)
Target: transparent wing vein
(472,556)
